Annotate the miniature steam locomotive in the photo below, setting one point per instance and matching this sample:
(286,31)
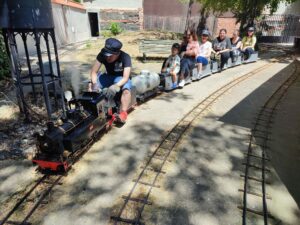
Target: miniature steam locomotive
(60,144)
(92,114)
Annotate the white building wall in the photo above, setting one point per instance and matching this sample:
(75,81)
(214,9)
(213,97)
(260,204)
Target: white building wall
(60,24)
(292,8)
(113,4)
(71,24)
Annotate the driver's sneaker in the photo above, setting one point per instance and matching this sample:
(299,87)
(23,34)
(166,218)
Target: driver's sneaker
(181,83)
(121,117)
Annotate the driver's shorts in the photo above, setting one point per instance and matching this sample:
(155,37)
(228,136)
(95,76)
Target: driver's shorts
(105,80)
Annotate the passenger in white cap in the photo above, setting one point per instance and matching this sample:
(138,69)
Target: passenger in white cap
(205,49)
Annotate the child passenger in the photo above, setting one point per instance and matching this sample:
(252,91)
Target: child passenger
(172,65)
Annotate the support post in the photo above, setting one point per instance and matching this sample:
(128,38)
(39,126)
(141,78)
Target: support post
(50,67)
(58,72)
(44,83)
(16,72)
(24,38)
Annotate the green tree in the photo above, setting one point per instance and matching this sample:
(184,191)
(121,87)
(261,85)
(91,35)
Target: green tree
(244,10)
(4,63)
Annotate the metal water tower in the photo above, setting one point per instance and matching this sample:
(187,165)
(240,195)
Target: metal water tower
(30,22)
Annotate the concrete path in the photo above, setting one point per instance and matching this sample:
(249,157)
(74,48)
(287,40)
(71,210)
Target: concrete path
(202,186)
(285,153)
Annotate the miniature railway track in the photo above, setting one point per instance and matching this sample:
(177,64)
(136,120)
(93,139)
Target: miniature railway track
(256,170)
(164,149)
(41,188)
(46,183)
(21,200)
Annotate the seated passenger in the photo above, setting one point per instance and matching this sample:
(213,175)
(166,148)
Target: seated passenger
(189,58)
(236,43)
(204,52)
(118,66)
(172,65)
(221,47)
(248,43)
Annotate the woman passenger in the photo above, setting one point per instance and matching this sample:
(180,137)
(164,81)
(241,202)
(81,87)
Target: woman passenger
(204,52)
(248,43)
(236,43)
(189,58)
(222,46)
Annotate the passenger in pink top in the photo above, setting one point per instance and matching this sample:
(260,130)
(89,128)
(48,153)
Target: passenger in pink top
(193,46)
(188,58)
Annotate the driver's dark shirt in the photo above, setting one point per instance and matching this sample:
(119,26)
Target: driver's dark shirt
(117,67)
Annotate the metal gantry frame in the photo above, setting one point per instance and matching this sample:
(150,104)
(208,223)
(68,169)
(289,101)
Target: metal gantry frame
(35,78)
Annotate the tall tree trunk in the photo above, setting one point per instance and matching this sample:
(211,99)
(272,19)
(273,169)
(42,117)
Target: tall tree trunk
(202,20)
(188,16)
(243,17)
(247,17)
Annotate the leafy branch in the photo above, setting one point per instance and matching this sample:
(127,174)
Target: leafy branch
(246,11)
(4,63)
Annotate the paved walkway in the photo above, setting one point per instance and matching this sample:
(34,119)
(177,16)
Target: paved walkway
(202,186)
(285,154)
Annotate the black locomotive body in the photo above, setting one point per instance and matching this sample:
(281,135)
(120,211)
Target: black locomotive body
(91,114)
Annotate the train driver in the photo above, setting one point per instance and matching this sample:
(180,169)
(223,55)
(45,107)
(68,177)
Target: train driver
(117,77)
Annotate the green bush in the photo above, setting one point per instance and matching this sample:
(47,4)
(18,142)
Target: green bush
(4,63)
(115,28)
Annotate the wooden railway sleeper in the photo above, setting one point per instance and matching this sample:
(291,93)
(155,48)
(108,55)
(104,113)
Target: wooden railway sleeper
(256,194)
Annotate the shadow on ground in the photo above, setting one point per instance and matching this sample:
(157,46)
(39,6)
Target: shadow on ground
(94,184)
(285,188)
(202,186)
